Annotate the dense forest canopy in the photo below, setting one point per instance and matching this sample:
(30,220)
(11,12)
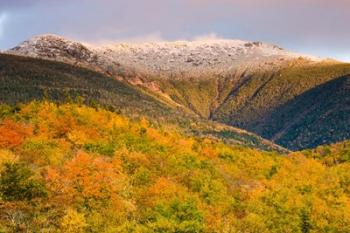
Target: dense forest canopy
(72,168)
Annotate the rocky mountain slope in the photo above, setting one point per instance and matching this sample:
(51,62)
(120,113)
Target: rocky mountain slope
(251,85)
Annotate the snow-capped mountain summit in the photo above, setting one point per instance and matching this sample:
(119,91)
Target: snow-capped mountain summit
(53,47)
(217,56)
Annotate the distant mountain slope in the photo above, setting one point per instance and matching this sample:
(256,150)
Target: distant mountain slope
(250,85)
(25,79)
(297,107)
(319,116)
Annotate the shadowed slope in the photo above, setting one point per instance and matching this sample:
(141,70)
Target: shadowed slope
(310,96)
(318,116)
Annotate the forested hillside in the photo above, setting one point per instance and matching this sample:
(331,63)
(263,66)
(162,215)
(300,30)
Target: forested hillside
(71,168)
(25,79)
(300,106)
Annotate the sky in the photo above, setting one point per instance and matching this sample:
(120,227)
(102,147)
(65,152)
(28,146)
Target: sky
(315,27)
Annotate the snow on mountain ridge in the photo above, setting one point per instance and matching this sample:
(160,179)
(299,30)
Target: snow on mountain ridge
(160,58)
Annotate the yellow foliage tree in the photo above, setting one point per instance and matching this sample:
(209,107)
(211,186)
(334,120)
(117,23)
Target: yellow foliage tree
(73,222)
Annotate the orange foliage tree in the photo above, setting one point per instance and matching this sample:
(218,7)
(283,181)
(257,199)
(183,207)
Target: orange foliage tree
(13,134)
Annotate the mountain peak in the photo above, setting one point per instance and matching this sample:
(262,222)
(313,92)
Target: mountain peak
(51,46)
(40,39)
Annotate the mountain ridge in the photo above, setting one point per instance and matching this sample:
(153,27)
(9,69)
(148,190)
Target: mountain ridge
(219,56)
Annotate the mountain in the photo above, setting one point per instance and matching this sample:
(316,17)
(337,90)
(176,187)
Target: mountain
(23,80)
(87,145)
(251,85)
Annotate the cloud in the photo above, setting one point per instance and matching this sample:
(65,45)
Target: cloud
(335,3)
(19,4)
(7,4)
(152,37)
(207,37)
(3,18)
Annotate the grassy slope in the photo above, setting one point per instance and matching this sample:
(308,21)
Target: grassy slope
(25,79)
(203,95)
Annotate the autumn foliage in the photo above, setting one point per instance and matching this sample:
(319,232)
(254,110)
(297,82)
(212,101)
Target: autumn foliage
(70,168)
(13,134)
